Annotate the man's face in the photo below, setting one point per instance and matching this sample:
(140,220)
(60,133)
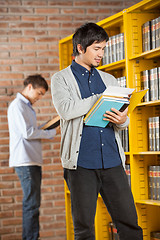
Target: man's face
(34,94)
(93,55)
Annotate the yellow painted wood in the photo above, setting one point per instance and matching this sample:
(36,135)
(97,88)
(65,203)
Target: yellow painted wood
(129,21)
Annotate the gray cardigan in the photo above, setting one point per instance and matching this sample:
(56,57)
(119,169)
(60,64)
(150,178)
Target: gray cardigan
(71,109)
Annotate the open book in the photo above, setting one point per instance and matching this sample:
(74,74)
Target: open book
(53,123)
(113,97)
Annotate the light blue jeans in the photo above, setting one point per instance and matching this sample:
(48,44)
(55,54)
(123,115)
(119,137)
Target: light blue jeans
(30,178)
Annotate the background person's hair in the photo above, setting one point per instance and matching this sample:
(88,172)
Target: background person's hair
(86,35)
(36,81)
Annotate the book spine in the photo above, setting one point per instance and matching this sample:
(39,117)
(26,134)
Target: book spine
(150,136)
(158,44)
(152,88)
(158,183)
(153,33)
(143,37)
(149,41)
(110,50)
(145,84)
(156,90)
(157,148)
(150,189)
(110,230)
(117,48)
(115,234)
(128,173)
(121,46)
(156,32)
(153,134)
(154,182)
(114,59)
(107,53)
(158,73)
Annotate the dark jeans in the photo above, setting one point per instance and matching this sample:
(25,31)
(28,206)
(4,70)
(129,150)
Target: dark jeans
(30,177)
(112,184)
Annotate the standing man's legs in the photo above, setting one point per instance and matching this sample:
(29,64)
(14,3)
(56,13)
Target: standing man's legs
(30,177)
(117,196)
(84,189)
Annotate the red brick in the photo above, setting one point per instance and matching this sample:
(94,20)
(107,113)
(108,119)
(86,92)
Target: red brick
(22,39)
(10,61)
(9,18)
(60,3)
(21,25)
(98,11)
(21,10)
(46,11)
(35,32)
(11,76)
(34,18)
(72,11)
(3,10)
(24,68)
(36,60)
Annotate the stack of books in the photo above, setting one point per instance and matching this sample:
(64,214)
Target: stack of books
(114,50)
(154,133)
(151,80)
(151,34)
(113,97)
(154,182)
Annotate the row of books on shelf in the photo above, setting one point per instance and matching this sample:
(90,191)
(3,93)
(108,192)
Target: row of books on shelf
(154,182)
(113,235)
(154,133)
(151,80)
(155,235)
(151,34)
(122,81)
(124,139)
(128,173)
(114,50)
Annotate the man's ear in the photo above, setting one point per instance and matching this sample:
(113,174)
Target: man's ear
(30,86)
(80,49)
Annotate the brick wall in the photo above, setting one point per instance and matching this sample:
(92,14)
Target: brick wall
(29,35)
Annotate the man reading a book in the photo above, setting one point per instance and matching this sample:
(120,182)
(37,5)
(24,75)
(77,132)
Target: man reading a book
(92,157)
(26,152)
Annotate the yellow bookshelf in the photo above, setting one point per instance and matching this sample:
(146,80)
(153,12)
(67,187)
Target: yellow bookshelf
(129,22)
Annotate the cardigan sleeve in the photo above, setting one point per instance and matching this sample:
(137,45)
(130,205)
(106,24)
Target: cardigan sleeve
(66,99)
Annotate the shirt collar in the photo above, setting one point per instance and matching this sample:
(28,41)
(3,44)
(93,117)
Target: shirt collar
(20,96)
(80,69)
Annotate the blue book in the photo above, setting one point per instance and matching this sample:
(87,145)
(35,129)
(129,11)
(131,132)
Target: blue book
(105,103)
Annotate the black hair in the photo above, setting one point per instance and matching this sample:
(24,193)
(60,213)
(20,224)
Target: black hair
(36,81)
(86,35)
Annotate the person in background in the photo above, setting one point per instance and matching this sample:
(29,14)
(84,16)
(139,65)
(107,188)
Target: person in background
(26,151)
(92,157)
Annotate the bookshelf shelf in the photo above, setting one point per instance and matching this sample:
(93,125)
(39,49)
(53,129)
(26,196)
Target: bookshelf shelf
(128,22)
(149,202)
(154,53)
(113,66)
(147,153)
(151,103)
